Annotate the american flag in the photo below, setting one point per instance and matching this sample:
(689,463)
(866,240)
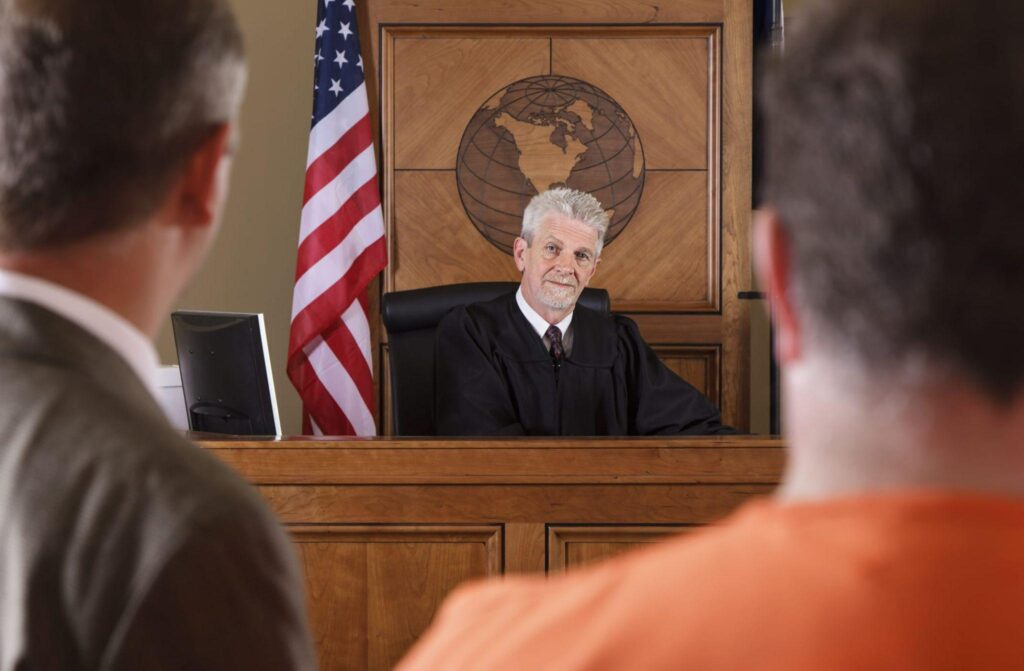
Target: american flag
(341,239)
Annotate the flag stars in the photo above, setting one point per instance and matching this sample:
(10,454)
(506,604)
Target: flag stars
(360,62)
(335,87)
(340,58)
(351,4)
(321,28)
(345,30)
(317,58)
(328,3)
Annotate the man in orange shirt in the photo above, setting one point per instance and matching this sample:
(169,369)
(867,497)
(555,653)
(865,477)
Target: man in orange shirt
(894,256)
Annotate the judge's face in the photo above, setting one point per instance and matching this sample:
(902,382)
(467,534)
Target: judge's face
(557,265)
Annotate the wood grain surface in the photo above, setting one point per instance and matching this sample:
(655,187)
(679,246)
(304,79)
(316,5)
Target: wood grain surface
(663,260)
(385,528)
(441,82)
(663,84)
(571,547)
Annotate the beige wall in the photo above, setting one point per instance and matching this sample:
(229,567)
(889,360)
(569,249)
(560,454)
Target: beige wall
(252,264)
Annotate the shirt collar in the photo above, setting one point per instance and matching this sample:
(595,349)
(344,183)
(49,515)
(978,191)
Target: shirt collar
(539,324)
(106,325)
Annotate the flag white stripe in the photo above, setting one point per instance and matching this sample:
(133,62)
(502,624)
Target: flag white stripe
(332,127)
(332,266)
(357,324)
(339,384)
(317,431)
(335,193)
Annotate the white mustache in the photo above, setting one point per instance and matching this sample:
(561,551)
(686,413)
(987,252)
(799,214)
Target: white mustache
(564,281)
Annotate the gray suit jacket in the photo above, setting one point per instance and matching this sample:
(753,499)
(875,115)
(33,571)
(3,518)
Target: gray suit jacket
(122,545)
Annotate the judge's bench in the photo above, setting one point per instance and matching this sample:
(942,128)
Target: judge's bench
(384,528)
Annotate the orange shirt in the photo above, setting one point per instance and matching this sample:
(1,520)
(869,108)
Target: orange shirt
(902,581)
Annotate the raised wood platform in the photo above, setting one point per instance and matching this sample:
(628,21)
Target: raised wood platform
(385,528)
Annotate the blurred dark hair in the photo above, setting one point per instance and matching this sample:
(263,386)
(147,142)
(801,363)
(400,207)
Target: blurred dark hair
(101,102)
(895,136)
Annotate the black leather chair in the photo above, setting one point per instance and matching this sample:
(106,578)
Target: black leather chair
(411,318)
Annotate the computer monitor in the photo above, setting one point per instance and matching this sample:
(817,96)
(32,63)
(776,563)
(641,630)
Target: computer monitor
(225,372)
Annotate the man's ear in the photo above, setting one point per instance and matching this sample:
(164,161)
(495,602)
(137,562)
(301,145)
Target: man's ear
(202,184)
(518,250)
(772,259)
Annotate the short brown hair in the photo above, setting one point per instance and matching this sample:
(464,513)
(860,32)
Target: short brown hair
(895,135)
(100,104)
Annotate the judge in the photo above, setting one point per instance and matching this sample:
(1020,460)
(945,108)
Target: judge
(536,363)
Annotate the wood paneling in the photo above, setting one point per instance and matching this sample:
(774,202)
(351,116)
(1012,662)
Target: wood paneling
(464,504)
(510,461)
(526,546)
(433,242)
(438,84)
(699,365)
(682,72)
(571,547)
(386,527)
(735,194)
(662,83)
(371,590)
(663,259)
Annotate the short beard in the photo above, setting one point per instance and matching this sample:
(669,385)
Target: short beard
(558,299)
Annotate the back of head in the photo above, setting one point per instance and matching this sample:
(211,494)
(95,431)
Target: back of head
(894,136)
(101,102)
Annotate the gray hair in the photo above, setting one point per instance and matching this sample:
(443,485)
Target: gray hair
(575,204)
(101,103)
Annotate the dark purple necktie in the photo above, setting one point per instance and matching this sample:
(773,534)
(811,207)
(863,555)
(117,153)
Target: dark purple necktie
(557,351)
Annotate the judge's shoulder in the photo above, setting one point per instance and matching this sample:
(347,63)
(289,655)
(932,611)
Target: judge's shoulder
(490,315)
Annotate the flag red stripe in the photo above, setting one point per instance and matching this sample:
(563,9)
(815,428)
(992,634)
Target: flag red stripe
(324,312)
(331,232)
(318,401)
(347,349)
(325,168)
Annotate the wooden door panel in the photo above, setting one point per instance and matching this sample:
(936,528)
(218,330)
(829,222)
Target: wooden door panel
(697,364)
(571,547)
(372,590)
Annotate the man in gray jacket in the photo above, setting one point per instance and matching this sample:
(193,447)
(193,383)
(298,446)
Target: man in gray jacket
(122,546)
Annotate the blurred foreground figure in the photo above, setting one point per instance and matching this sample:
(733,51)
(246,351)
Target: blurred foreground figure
(894,255)
(122,546)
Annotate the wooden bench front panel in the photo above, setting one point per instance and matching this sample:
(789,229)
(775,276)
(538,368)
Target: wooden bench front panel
(386,528)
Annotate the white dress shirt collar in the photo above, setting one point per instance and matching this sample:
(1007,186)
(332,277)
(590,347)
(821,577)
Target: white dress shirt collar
(109,327)
(539,324)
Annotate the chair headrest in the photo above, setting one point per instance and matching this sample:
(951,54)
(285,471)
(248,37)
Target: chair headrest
(423,308)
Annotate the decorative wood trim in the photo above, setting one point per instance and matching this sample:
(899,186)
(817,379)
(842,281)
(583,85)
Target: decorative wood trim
(654,460)
(561,536)
(490,536)
(735,169)
(387,149)
(525,547)
(711,354)
(383,382)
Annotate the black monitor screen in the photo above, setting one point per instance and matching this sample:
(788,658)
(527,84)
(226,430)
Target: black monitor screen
(225,373)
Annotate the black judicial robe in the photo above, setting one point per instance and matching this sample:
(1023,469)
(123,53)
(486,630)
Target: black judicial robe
(495,377)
